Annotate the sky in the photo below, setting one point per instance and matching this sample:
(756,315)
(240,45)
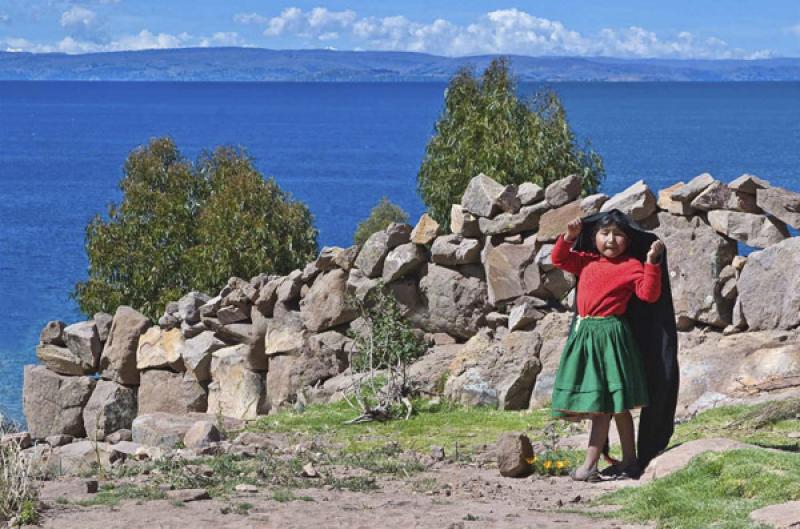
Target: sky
(683,29)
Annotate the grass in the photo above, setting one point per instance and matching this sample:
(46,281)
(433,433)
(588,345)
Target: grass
(436,424)
(111,495)
(716,490)
(18,483)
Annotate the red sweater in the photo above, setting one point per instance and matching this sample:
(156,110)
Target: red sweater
(606,285)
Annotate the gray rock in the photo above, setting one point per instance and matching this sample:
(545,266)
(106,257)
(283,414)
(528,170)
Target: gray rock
(403,260)
(676,207)
(593,203)
(166,430)
(191,331)
(696,257)
(346,259)
(694,187)
(506,266)
(201,434)
(84,342)
(359,285)
(715,196)
(103,322)
(170,392)
(289,287)
(563,191)
(529,193)
(524,316)
(169,321)
(769,287)
(753,230)
(373,253)
(326,304)
(118,360)
(484,197)
(425,231)
(53,334)
(554,222)
(463,222)
(526,219)
(267,296)
(111,407)
(189,306)
(64,361)
(80,457)
(285,333)
(780,203)
(58,440)
(210,308)
(780,516)
(453,250)
(451,301)
(53,404)
(236,391)
(749,184)
(196,355)
(513,451)
(398,233)
(637,201)
(123,435)
(233,314)
(160,349)
(429,372)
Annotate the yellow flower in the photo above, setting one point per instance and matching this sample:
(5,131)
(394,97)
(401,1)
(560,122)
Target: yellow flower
(531,460)
(547,465)
(560,464)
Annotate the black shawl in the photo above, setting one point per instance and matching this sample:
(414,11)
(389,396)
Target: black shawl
(653,326)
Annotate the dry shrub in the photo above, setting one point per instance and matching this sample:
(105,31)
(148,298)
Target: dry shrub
(18,487)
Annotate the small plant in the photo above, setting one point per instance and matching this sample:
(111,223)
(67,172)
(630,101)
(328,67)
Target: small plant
(18,490)
(552,461)
(382,356)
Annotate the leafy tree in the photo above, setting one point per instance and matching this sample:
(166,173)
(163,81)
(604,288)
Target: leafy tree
(383,214)
(183,226)
(486,128)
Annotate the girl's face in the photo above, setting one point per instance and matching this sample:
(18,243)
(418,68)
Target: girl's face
(611,241)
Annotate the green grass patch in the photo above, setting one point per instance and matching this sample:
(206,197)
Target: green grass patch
(111,495)
(716,490)
(434,424)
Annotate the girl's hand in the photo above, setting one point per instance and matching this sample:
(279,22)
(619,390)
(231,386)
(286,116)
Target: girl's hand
(573,229)
(656,249)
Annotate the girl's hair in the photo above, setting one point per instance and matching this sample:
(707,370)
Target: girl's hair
(615,218)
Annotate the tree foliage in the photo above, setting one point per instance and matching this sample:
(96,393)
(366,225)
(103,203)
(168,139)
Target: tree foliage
(486,128)
(383,214)
(182,226)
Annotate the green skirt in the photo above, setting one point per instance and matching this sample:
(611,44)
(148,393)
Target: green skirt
(600,371)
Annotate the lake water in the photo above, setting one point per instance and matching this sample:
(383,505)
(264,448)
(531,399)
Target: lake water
(338,147)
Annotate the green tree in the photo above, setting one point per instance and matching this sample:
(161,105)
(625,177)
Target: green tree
(486,128)
(183,226)
(383,214)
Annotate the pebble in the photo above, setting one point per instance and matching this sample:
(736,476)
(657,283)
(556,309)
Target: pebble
(186,495)
(246,487)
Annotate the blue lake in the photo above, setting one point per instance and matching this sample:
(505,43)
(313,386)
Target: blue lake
(338,147)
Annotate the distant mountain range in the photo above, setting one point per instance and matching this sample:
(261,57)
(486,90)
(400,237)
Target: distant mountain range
(256,64)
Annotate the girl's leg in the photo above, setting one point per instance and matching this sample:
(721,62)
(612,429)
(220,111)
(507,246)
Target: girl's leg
(597,438)
(626,437)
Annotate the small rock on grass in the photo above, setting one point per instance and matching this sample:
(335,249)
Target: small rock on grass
(246,487)
(186,495)
(309,471)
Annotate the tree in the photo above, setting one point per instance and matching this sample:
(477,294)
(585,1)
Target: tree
(183,226)
(484,127)
(383,214)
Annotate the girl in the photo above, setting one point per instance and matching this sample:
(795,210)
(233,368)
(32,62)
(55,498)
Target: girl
(602,370)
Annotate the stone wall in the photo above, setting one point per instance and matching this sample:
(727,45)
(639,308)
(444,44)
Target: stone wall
(491,304)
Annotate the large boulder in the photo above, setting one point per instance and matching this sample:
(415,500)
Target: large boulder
(697,255)
(160,349)
(501,375)
(563,191)
(189,306)
(429,372)
(53,333)
(529,193)
(715,196)
(118,361)
(326,356)
(694,187)
(554,222)
(507,268)
(485,197)
(84,341)
(753,230)
(372,255)
(326,304)
(196,355)
(170,392)
(64,361)
(514,452)
(447,300)
(403,260)
(781,203)
(425,231)
(453,250)
(285,332)
(526,219)
(676,207)
(637,201)
(553,330)
(111,407)
(53,404)
(769,287)
(236,391)
(462,222)
(165,430)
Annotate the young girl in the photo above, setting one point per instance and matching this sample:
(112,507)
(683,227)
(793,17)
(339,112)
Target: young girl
(602,372)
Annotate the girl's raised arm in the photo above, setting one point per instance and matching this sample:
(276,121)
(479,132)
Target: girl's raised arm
(563,257)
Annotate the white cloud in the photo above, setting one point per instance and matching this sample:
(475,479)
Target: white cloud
(78,16)
(510,31)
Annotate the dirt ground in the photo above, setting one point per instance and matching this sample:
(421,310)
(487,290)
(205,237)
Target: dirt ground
(447,496)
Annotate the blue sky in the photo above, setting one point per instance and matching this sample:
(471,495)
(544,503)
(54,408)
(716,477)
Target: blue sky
(620,28)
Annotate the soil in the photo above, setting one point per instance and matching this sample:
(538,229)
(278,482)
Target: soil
(446,496)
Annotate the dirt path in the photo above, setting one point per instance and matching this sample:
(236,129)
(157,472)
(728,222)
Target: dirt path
(448,497)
